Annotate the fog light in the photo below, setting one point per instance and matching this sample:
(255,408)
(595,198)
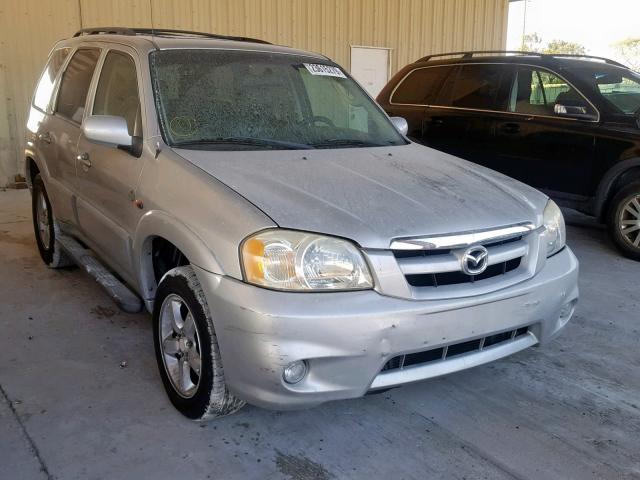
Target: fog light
(295,371)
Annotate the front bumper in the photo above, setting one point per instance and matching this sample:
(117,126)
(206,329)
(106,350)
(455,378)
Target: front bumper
(347,337)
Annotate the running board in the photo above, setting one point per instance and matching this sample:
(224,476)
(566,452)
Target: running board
(118,291)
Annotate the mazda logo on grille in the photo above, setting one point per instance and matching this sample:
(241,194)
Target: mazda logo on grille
(474,260)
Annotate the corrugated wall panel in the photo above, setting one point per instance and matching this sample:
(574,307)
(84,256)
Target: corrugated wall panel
(24,45)
(410,28)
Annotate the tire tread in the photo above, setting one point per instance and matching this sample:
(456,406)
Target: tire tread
(221,402)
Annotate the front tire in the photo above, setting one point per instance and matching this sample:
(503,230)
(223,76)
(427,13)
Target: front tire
(624,220)
(187,349)
(45,227)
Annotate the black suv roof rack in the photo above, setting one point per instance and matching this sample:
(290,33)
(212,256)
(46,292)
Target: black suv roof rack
(472,53)
(162,32)
(591,57)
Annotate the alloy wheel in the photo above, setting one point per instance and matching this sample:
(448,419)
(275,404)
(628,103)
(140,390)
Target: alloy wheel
(180,345)
(42,217)
(630,221)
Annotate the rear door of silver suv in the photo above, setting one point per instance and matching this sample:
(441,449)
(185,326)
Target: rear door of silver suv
(60,128)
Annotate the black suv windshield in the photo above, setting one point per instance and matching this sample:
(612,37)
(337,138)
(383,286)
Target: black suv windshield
(621,88)
(238,100)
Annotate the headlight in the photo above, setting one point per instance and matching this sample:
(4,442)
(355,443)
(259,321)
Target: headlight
(555,235)
(290,260)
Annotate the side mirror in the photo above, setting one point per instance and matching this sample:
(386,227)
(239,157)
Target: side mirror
(573,111)
(107,129)
(401,124)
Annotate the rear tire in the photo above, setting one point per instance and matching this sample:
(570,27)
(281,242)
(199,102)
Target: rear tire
(624,220)
(187,349)
(46,228)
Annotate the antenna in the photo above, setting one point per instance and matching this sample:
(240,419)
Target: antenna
(151,13)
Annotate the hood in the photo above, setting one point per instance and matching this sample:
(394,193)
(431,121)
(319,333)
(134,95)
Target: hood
(373,195)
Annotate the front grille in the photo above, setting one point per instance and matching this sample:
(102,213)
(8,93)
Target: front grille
(450,351)
(441,267)
(455,278)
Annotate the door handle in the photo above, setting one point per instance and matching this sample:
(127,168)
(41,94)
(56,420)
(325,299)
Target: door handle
(510,128)
(45,137)
(83,159)
(431,123)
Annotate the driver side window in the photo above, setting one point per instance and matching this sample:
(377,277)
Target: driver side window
(536,92)
(117,91)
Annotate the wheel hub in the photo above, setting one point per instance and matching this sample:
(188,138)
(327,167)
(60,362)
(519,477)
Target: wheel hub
(184,344)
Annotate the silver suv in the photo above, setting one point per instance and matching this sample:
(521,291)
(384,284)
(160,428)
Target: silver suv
(293,246)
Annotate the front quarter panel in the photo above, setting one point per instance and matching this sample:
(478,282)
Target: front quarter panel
(201,216)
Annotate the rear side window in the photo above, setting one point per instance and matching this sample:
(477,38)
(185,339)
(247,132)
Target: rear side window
(477,87)
(421,86)
(117,91)
(44,89)
(75,84)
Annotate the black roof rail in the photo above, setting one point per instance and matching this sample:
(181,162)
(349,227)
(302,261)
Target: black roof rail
(592,57)
(162,32)
(471,54)
(104,31)
(170,32)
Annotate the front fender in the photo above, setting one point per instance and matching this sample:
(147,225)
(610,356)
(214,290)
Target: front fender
(156,223)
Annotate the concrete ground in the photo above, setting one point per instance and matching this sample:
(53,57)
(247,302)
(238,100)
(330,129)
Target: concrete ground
(70,409)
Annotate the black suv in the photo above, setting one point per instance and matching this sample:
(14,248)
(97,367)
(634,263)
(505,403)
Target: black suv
(567,125)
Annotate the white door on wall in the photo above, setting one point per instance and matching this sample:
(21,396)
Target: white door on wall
(370,67)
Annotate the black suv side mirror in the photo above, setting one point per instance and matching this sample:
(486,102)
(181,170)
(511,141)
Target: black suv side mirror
(577,111)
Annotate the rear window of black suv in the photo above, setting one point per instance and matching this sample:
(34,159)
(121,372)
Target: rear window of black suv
(421,86)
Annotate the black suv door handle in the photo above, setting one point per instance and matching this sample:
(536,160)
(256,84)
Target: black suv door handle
(510,128)
(45,137)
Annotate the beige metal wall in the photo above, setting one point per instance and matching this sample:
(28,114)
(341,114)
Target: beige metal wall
(411,28)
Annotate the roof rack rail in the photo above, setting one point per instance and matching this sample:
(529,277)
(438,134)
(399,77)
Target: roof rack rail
(168,31)
(471,54)
(104,31)
(593,57)
(162,32)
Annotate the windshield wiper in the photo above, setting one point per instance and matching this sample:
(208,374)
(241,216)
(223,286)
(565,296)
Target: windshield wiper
(346,142)
(261,142)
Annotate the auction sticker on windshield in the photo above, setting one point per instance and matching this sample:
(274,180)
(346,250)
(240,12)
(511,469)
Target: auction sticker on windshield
(326,70)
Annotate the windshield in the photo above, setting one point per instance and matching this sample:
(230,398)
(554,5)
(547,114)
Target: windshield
(239,100)
(621,88)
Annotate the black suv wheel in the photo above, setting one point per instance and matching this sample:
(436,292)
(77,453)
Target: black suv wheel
(624,220)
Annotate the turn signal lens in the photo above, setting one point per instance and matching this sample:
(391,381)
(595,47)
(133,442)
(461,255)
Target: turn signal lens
(290,260)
